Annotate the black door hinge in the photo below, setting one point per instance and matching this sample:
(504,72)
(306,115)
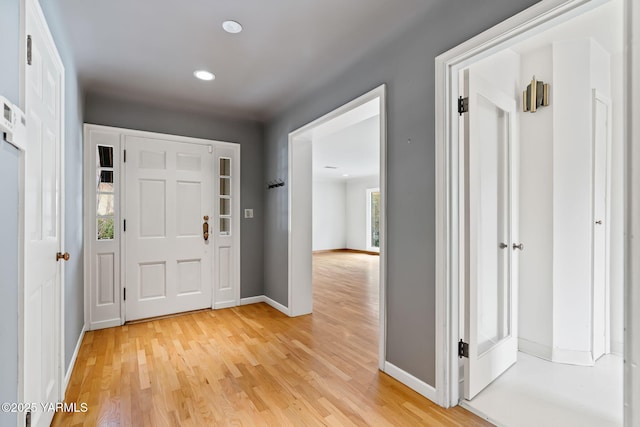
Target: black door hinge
(463,349)
(27,419)
(125,293)
(125,156)
(124,225)
(463,105)
(29,47)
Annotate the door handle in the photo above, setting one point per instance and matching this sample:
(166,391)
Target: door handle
(65,256)
(520,246)
(205,228)
(503,245)
(599,222)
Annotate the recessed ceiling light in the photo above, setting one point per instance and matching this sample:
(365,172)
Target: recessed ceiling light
(232,27)
(204,75)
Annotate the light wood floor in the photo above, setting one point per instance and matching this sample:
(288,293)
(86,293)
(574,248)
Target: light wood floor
(253,366)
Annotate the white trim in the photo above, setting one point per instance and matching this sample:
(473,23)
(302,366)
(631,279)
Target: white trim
(252,300)
(532,348)
(72,363)
(537,18)
(572,357)
(298,243)
(277,305)
(410,381)
(480,414)
(632,215)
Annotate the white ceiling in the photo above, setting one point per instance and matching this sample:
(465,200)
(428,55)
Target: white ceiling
(149,49)
(349,143)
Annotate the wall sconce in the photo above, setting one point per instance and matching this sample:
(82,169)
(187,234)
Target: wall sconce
(536,95)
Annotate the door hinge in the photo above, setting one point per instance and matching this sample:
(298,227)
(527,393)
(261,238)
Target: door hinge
(124,158)
(463,105)
(27,419)
(125,294)
(463,349)
(124,225)
(29,46)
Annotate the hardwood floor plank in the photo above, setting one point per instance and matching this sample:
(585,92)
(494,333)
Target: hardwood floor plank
(254,366)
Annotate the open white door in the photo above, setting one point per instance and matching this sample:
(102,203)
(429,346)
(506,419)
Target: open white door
(168,258)
(492,239)
(43,220)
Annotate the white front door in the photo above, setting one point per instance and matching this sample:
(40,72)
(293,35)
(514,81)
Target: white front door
(168,259)
(491,200)
(43,220)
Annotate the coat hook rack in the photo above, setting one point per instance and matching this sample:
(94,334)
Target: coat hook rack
(275,184)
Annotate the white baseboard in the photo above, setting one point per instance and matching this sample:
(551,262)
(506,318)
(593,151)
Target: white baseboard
(277,305)
(252,300)
(72,363)
(410,381)
(265,299)
(572,357)
(541,351)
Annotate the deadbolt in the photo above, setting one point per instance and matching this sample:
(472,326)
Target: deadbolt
(520,246)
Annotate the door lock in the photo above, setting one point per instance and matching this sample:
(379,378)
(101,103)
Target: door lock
(520,246)
(205,228)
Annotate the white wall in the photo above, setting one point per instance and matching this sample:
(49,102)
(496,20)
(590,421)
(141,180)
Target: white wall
(357,210)
(329,215)
(536,211)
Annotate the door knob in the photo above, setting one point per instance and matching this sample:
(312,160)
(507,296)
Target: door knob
(205,228)
(520,246)
(503,245)
(65,256)
(599,222)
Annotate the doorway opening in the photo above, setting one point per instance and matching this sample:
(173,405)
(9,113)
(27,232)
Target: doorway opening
(333,162)
(539,245)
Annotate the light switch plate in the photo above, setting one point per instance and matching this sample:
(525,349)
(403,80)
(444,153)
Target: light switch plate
(248,213)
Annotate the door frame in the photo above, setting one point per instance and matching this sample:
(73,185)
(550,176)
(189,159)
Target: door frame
(23,263)
(449,238)
(89,171)
(300,298)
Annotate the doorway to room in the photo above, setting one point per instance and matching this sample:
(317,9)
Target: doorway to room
(540,299)
(337,213)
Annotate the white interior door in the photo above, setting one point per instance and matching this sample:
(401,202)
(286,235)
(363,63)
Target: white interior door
(43,219)
(491,200)
(168,188)
(601,132)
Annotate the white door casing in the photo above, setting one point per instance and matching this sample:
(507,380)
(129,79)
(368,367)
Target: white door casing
(491,224)
(168,193)
(44,225)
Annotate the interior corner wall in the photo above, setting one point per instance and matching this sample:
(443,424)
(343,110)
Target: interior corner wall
(357,211)
(74,268)
(113,111)
(329,215)
(406,65)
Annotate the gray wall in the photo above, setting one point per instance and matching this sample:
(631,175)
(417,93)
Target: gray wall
(74,271)
(118,112)
(9,169)
(406,65)
(9,88)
